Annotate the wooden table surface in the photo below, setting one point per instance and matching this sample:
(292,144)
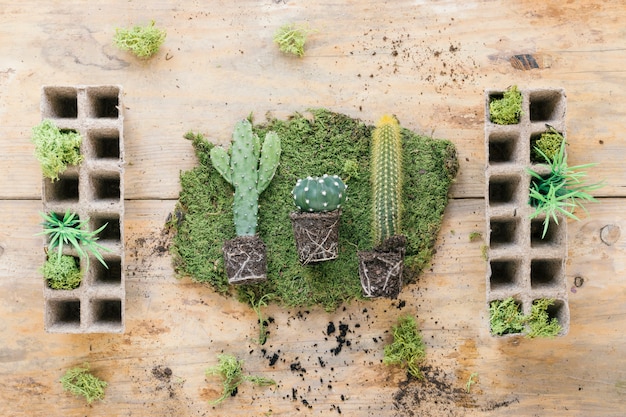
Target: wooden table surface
(429,63)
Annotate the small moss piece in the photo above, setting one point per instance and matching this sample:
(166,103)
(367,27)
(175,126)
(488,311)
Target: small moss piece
(474,236)
(61,273)
(143,41)
(79,381)
(250,296)
(560,192)
(407,349)
(291,38)
(470,382)
(350,169)
(55,149)
(506,317)
(507,110)
(539,321)
(484,252)
(230,369)
(549,144)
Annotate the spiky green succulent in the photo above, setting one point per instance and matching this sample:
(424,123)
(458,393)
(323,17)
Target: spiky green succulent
(319,194)
(249,168)
(291,38)
(71,230)
(386,178)
(561,191)
(80,382)
(143,41)
(408,349)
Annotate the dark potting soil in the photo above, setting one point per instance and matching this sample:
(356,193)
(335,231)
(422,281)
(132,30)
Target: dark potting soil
(244,258)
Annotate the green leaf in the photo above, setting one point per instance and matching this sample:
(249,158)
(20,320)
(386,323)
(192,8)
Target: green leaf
(562,191)
(73,231)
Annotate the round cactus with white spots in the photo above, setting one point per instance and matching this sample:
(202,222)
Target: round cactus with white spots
(319,194)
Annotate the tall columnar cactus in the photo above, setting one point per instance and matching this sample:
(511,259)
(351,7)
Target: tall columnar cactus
(249,169)
(386,178)
(319,194)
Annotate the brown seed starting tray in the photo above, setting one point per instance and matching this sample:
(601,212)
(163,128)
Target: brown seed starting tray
(520,264)
(93,190)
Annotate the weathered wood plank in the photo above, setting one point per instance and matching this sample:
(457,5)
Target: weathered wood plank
(177,324)
(218,65)
(425,62)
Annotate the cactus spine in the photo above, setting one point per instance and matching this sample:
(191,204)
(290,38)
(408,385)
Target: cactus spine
(319,194)
(249,169)
(386,178)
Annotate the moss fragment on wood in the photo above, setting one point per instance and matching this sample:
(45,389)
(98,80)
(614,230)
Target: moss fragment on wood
(143,41)
(291,39)
(80,382)
(407,349)
(229,368)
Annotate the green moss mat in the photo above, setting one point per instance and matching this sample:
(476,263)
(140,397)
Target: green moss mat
(327,143)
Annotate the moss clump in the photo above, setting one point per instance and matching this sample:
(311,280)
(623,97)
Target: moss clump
(80,382)
(55,149)
(61,273)
(407,349)
(143,41)
(330,142)
(506,317)
(549,143)
(291,38)
(507,110)
(230,369)
(539,322)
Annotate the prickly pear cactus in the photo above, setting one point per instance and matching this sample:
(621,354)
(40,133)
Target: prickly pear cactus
(249,169)
(319,194)
(386,178)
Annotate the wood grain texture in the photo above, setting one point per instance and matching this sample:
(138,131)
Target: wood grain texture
(177,324)
(428,63)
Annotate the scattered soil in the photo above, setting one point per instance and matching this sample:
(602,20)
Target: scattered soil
(341,339)
(436,396)
(445,64)
(147,248)
(162,391)
(433,396)
(164,375)
(161,373)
